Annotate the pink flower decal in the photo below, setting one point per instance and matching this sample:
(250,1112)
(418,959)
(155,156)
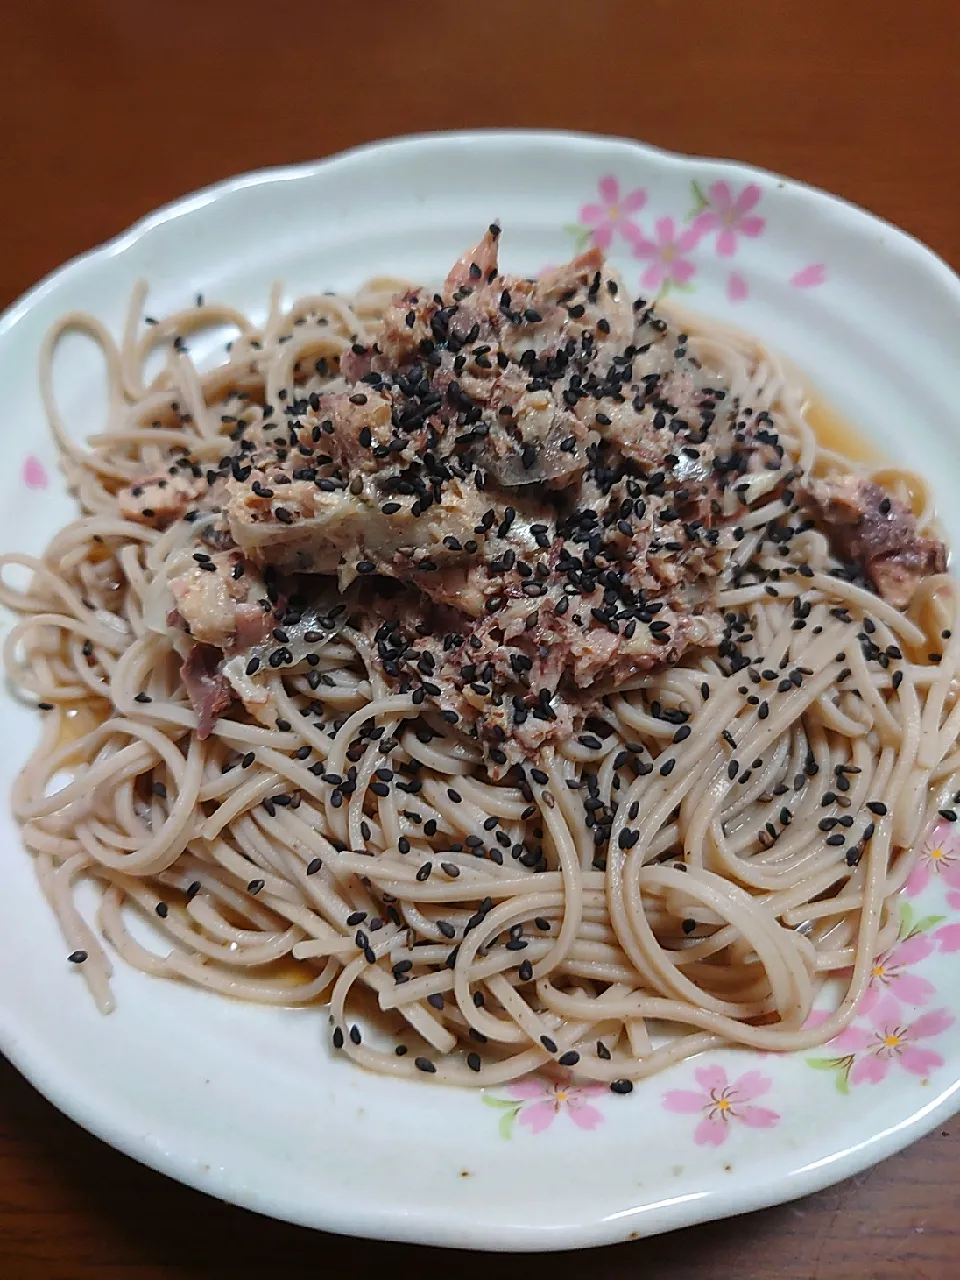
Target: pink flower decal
(536,1102)
(730,216)
(948,938)
(34,473)
(736,287)
(665,255)
(612,213)
(810,276)
(721,1102)
(868,1052)
(939,856)
(891,976)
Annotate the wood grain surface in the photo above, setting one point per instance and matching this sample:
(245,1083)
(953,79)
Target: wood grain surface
(111,107)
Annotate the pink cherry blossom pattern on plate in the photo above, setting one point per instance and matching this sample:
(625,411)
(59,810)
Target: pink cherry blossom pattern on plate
(809,277)
(612,213)
(729,215)
(34,473)
(866,1053)
(891,975)
(948,937)
(535,1102)
(939,856)
(665,253)
(736,287)
(722,1103)
(543,1100)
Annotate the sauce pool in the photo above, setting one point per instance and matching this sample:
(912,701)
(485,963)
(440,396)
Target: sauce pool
(835,433)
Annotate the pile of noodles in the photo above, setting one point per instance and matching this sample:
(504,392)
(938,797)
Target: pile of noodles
(724,904)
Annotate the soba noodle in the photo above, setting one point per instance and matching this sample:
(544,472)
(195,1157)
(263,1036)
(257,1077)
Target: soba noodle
(271,867)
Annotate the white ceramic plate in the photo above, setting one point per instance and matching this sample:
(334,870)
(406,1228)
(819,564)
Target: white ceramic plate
(246,1103)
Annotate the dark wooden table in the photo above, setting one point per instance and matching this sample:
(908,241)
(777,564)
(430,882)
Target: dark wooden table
(111,107)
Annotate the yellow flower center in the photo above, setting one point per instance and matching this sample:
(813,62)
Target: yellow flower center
(936,854)
(723,1104)
(891,1041)
(879,970)
(614,211)
(561,1095)
(669,252)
